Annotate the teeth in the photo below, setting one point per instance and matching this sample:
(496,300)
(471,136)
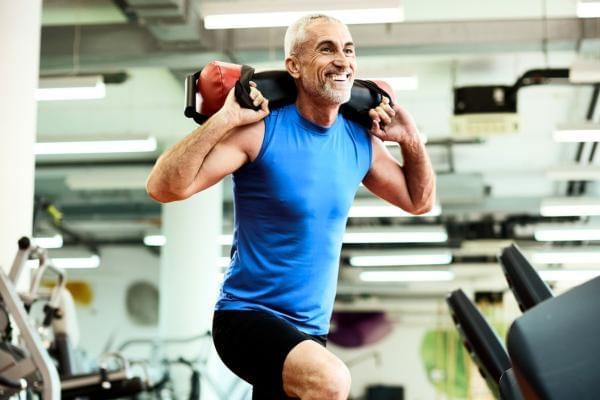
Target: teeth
(340,77)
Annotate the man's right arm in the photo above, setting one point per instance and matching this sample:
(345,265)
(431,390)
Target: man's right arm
(213,150)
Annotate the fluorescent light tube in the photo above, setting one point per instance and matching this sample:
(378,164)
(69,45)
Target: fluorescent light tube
(574,173)
(96,147)
(70,263)
(406,276)
(106,178)
(155,240)
(566,257)
(225,239)
(570,206)
(585,69)
(223,261)
(71,88)
(422,258)
(588,9)
(52,242)
(579,133)
(435,234)
(286,18)
(568,275)
(79,263)
(380,209)
(557,233)
(419,234)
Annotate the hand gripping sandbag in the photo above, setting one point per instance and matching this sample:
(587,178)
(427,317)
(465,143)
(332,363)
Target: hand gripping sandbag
(207,89)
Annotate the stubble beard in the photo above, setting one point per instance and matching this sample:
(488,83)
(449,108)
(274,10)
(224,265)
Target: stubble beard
(327,93)
(337,96)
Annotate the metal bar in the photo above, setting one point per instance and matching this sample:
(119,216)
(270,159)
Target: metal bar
(39,355)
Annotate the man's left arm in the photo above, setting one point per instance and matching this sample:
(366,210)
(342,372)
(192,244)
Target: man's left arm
(410,186)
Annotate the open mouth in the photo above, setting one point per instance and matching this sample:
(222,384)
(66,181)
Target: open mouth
(339,77)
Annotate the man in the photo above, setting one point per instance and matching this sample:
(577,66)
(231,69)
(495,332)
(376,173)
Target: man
(296,171)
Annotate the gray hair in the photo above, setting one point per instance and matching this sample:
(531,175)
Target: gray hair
(296,32)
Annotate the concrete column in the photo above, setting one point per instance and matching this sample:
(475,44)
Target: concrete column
(189,278)
(20,27)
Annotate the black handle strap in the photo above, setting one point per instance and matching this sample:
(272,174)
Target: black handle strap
(191,91)
(242,88)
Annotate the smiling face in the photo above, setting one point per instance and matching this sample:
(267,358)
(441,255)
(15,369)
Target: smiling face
(324,62)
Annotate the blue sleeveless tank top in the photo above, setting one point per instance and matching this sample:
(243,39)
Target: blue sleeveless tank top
(291,205)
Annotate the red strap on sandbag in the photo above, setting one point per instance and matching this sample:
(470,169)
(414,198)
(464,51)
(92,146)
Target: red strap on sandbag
(216,80)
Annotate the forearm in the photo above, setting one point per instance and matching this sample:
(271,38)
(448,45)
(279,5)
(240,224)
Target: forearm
(176,169)
(419,175)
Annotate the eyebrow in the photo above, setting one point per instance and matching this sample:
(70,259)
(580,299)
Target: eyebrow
(331,42)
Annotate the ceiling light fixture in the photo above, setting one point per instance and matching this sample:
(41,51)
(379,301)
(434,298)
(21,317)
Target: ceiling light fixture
(155,240)
(585,69)
(51,242)
(96,147)
(560,233)
(107,178)
(224,262)
(574,173)
(380,209)
(417,234)
(421,258)
(90,262)
(587,256)
(406,276)
(568,275)
(77,263)
(577,133)
(71,88)
(570,206)
(225,239)
(262,14)
(588,9)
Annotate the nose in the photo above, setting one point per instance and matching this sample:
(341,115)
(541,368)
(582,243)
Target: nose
(341,60)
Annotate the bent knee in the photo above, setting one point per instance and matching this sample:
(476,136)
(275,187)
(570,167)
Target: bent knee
(311,372)
(336,384)
(333,384)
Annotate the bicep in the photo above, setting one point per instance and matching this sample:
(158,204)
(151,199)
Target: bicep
(386,178)
(237,148)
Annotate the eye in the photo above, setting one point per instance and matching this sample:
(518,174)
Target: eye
(326,49)
(349,51)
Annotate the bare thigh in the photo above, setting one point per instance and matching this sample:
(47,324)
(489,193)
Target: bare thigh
(310,371)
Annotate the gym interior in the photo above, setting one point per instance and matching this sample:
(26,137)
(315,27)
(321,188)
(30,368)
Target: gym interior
(494,293)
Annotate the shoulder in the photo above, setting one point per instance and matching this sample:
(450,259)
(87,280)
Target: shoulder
(247,138)
(250,138)
(276,114)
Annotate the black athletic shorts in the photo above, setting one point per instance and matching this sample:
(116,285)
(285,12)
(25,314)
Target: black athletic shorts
(254,345)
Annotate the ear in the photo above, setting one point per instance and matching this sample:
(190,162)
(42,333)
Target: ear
(293,67)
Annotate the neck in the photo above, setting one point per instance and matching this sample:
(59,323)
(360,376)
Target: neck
(320,113)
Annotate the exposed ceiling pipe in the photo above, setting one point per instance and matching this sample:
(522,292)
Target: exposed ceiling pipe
(174,23)
(122,46)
